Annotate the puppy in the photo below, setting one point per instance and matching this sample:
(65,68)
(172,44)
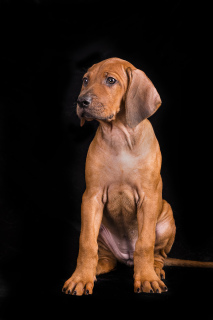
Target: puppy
(123,215)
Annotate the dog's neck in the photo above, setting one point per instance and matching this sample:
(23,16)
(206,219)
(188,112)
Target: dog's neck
(117,135)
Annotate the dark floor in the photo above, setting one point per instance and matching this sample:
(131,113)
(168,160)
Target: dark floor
(189,292)
(39,285)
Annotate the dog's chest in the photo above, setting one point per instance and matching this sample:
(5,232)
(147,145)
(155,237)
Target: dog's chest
(121,195)
(121,172)
(121,200)
(122,168)
(120,212)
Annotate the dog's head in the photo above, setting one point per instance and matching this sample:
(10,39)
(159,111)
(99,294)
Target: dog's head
(113,85)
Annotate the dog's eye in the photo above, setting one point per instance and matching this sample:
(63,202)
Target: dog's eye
(85,81)
(110,80)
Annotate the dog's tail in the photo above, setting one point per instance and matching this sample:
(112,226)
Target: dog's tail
(187,263)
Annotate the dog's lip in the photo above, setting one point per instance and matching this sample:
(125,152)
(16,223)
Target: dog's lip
(82,113)
(110,117)
(86,115)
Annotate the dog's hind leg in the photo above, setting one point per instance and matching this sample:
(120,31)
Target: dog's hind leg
(106,260)
(165,235)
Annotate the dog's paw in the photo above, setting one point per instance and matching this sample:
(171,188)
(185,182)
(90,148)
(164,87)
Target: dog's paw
(79,283)
(149,284)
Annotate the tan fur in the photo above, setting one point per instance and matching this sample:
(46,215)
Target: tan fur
(123,181)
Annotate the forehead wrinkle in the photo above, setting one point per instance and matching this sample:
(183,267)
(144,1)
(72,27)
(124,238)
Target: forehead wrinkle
(111,68)
(116,70)
(112,73)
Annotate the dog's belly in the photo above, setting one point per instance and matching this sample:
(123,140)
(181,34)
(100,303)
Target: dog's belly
(119,222)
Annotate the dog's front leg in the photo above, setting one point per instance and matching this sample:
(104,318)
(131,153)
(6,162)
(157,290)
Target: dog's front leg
(145,278)
(82,280)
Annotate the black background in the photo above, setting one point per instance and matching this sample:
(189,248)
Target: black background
(46,46)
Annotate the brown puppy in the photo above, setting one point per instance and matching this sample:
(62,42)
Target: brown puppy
(123,215)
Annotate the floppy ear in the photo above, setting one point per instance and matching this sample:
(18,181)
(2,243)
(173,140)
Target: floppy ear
(142,99)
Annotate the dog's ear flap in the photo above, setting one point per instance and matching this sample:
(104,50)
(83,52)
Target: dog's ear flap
(142,99)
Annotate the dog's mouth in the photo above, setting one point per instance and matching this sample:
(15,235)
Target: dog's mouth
(86,115)
(110,117)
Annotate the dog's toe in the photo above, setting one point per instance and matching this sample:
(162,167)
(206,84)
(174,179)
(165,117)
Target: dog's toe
(160,273)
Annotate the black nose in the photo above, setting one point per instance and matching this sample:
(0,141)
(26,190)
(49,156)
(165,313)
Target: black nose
(84,101)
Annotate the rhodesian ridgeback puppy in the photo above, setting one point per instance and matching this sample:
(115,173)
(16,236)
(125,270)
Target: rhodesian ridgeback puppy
(123,215)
